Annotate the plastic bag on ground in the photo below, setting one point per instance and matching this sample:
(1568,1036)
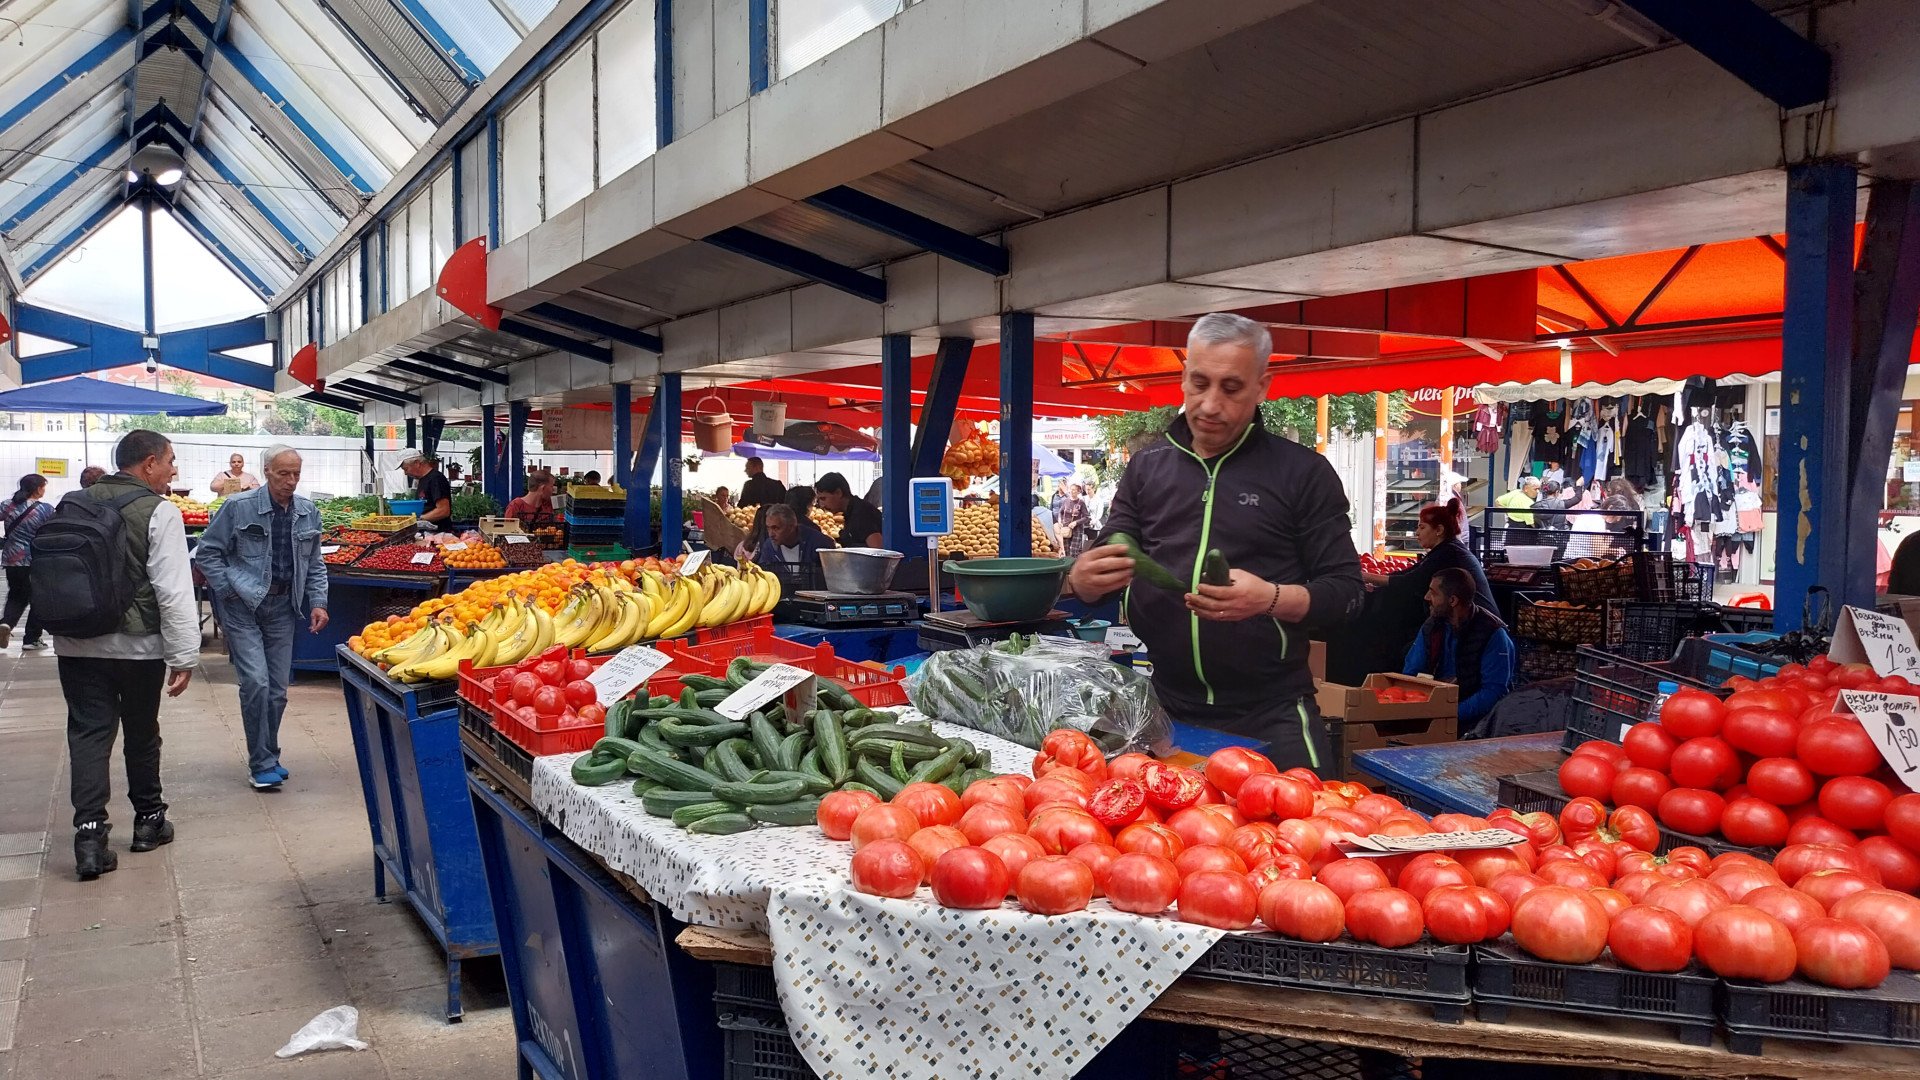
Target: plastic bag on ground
(1025,687)
(334,1029)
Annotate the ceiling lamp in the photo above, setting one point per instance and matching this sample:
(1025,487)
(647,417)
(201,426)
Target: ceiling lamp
(157,162)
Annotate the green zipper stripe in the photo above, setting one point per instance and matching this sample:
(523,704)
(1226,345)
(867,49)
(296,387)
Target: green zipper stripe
(1206,530)
(1306,735)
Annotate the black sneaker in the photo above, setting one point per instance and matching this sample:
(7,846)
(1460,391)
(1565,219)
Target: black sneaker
(150,831)
(91,855)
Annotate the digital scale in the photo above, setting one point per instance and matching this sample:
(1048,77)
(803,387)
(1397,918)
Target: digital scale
(818,607)
(1523,577)
(963,629)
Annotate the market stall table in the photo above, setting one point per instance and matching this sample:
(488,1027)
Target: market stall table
(356,598)
(1461,777)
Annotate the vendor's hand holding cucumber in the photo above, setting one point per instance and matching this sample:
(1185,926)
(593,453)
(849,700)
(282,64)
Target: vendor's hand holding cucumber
(1099,571)
(1247,597)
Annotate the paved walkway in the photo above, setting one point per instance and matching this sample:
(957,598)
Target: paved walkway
(201,958)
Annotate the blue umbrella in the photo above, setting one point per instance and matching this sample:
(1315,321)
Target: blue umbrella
(84,395)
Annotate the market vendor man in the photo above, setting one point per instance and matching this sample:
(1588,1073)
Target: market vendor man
(861,521)
(1465,644)
(1231,657)
(432,484)
(535,508)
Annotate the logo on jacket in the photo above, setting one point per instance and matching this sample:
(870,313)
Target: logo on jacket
(1248,498)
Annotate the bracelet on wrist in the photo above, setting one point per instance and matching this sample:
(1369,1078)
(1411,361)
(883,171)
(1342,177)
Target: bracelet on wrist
(1274,603)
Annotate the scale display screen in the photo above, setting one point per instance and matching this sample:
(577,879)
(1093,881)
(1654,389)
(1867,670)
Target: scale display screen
(932,502)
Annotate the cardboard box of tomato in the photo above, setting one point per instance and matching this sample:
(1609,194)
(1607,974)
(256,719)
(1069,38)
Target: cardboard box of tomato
(1389,696)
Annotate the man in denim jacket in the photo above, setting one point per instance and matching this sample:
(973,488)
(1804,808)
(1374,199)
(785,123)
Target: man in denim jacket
(261,558)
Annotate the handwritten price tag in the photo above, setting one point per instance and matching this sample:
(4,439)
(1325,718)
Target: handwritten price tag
(1369,846)
(328,549)
(454,547)
(514,538)
(771,683)
(422,558)
(1894,722)
(629,668)
(1883,641)
(693,564)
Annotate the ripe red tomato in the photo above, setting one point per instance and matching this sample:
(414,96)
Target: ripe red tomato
(1762,732)
(1753,822)
(932,804)
(1304,775)
(1055,788)
(549,702)
(1386,917)
(1060,829)
(934,841)
(1612,753)
(1169,788)
(1516,884)
(1572,873)
(1469,823)
(1692,900)
(1566,926)
(1640,787)
(1650,939)
(1054,885)
(1894,917)
(887,868)
(1142,883)
(1305,839)
(1430,871)
(1837,746)
(1151,838)
(1257,843)
(1782,781)
(580,693)
(1692,810)
(1099,859)
(1903,821)
(1613,900)
(969,877)
(524,686)
(1127,766)
(1539,827)
(1305,910)
(1796,861)
(1015,851)
(1587,774)
(1464,914)
(1687,855)
(1487,864)
(551,672)
(1810,828)
(1223,810)
(1692,714)
(1737,880)
(1377,807)
(984,820)
(1272,796)
(1743,942)
(1841,953)
(1228,768)
(1218,898)
(1899,868)
(1830,887)
(1855,802)
(1070,749)
(883,821)
(1280,868)
(1117,803)
(1649,745)
(1705,762)
(1203,857)
(1005,790)
(1349,877)
(1197,826)
(838,809)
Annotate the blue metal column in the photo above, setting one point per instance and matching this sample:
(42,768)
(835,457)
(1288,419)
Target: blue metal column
(942,401)
(1815,385)
(1886,306)
(146,259)
(517,415)
(1016,434)
(666,402)
(896,441)
(640,493)
(493,479)
(623,434)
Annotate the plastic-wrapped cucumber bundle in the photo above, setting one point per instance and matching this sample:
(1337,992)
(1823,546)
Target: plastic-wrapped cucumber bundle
(1022,688)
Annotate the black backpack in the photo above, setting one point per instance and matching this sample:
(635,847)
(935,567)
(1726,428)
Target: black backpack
(82,586)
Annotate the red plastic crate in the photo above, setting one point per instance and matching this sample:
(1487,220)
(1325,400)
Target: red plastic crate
(743,628)
(543,742)
(870,684)
(475,683)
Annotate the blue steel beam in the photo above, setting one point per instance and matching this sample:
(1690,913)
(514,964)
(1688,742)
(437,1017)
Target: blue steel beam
(587,324)
(425,372)
(801,262)
(942,401)
(172,37)
(98,346)
(53,191)
(540,335)
(639,521)
(80,232)
(431,428)
(417,12)
(1886,304)
(377,393)
(1816,345)
(279,101)
(215,35)
(93,58)
(896,441)
(922,232)
(623,457)
(413,433)
(1016,434)
(666,401)
(1750,44)
(457,368)
(493,479)
(517,416)
(759,45)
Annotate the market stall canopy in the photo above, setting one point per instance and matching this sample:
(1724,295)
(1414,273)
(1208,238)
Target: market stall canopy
(84,395)
(776,452)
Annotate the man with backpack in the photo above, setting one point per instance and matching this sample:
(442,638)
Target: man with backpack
(112,572)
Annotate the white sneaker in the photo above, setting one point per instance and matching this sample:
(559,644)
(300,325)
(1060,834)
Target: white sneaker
(36,646)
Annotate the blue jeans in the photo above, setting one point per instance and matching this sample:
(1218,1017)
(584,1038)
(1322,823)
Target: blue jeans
(261,645)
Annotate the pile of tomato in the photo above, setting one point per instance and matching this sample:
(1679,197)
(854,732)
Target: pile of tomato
(1399,695)
(1244,842)
(549,691)
(1770,766)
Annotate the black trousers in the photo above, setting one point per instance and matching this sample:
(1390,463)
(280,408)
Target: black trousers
(103,697)
(19,596)
(1291,729)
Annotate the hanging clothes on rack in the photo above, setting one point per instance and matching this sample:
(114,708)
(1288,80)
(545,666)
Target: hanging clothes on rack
(1639,457)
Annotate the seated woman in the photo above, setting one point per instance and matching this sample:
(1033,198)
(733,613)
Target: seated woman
(536,506)
(1602,533)
(1438,531)
(1464,644)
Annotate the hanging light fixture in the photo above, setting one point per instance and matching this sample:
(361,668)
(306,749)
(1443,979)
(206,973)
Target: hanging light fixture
(156,162)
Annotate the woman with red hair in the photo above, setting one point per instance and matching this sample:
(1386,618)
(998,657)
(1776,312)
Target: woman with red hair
(1438,531)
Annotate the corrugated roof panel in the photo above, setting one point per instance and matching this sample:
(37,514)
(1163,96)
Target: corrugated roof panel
(34,253)
(476,26)
(279,132)
(28,148)
(63,159)
(222,203)
(67,144)
(269,178)
(39,47)
(418,64)
(239,239)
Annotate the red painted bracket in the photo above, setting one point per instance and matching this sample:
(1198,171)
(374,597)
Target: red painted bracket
(463,283)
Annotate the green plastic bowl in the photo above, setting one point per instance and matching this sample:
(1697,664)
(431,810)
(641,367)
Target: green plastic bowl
(1009,590)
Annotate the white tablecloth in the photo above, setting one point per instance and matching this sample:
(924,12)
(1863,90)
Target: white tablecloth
(902,988)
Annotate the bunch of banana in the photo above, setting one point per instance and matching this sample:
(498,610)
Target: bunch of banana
(527,631)
(729,594)
(426,641)
(443,660)
(679,611)
(635,611)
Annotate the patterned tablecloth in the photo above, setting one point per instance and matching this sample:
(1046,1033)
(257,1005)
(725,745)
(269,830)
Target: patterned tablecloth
(901,988)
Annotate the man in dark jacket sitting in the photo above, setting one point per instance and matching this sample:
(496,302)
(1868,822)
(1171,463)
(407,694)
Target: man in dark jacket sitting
(1463,643)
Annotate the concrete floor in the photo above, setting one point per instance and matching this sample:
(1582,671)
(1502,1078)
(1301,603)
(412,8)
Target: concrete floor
(201,958)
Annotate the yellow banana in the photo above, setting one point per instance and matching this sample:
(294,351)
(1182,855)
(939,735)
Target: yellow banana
(686,620)
(489,648)
(519,645)
(577,632)
(542,629)
(403,651)
(447,664)
(667,614)
(650,584)
(624,631)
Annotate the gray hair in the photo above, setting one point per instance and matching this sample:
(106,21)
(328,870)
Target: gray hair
(268,455)
(1226,328)
(783,512)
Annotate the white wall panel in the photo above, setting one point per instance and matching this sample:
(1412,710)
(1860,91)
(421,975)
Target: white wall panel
(520,168)
(396,258)
(569,131)
(440,194)
(628,131)
(806,30)
(419,243)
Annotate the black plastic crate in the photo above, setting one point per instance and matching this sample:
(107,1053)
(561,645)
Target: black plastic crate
(1209,1054)
(1539,661)
(1798,1009)
(1649,631)
(1658,576)
(760,1050)
(745,989)
(1530,792)
(1428,973)
(1505,977)
(1612,693)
